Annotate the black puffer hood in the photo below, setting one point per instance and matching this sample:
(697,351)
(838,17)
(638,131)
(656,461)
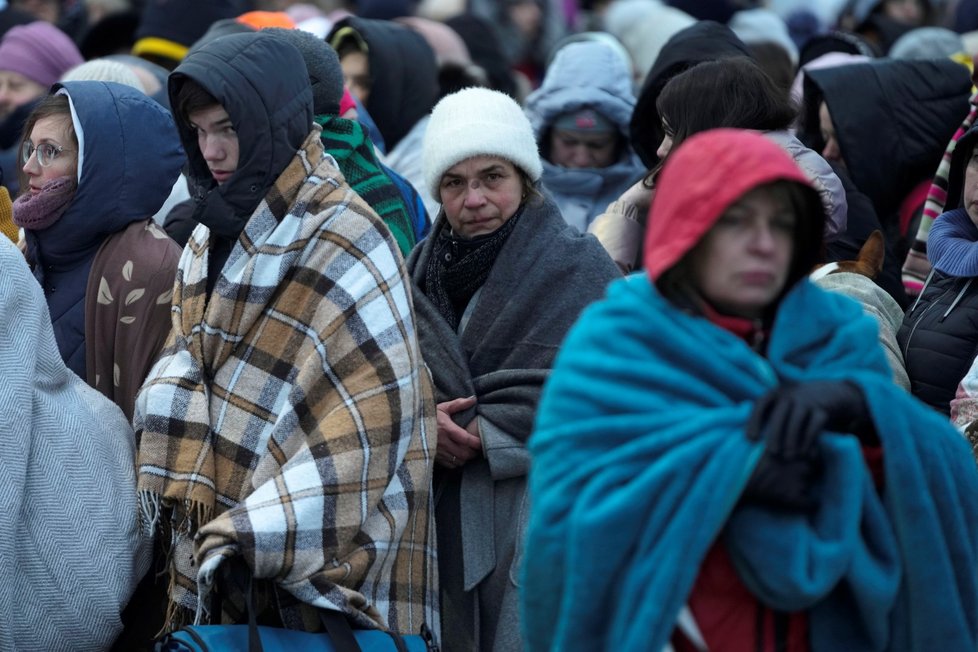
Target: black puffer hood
(403,75)
(703,41)
(261,82)
(892,118)
(959,162)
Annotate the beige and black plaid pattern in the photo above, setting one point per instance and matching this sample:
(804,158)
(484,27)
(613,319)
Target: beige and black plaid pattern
(291,419)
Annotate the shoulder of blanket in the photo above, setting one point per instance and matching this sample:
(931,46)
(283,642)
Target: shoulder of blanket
(629,306)
(929,439)
(345,218)
(571,249)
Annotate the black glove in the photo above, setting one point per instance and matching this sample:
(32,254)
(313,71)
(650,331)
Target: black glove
(790,419)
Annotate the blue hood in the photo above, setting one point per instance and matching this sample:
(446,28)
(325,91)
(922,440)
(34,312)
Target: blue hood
(130,157)
(583,74)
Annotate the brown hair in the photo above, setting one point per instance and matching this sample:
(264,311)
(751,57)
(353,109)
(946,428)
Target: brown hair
(51,106)
(192,97)
(530,191)
(734,93)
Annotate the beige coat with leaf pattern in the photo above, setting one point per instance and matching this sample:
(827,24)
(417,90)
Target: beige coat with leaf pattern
(127,309)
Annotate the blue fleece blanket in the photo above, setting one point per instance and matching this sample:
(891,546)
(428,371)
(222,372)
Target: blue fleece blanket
(639,456)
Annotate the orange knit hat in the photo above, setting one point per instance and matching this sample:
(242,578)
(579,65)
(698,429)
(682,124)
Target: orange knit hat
(261,19)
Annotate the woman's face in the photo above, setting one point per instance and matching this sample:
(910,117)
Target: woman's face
(572,149)
(53,133)
(971,186)
(356,74)
(666,145)
(741,265)
(831,151)
(480,194)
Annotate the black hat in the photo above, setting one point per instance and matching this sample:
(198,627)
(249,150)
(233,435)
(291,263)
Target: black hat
(323,66)
(169,27)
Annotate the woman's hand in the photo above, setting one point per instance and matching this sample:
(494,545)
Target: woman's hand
(640,196)
(457,445)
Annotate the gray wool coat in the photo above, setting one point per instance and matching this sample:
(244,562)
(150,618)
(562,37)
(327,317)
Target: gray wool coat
(546,273)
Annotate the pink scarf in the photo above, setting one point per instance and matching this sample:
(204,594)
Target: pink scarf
(37,212)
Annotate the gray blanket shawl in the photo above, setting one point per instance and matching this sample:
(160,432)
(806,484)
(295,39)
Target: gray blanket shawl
(70,549)
(546,273)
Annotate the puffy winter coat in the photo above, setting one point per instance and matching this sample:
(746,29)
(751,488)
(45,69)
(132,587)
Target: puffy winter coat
(939,335)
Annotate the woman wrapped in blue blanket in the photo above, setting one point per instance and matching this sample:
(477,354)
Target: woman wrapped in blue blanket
(721,460)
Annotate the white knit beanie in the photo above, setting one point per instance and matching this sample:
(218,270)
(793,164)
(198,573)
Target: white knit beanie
(104,70)
(763,26)
(477,122)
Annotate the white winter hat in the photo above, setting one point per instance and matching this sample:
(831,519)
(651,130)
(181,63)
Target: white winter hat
(763,26)
(104,70)
(477,122)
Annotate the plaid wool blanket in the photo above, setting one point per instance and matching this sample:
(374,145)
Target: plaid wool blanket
(290,420)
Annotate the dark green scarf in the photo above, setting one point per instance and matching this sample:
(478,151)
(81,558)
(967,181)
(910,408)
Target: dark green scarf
(346,141)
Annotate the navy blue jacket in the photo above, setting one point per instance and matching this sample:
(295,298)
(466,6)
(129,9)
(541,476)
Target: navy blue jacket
(130,158)
(939,335)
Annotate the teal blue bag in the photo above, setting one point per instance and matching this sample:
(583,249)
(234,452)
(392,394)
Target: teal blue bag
(338,637)
(225,638)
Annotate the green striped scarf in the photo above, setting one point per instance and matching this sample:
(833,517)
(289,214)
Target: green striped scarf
(347,142)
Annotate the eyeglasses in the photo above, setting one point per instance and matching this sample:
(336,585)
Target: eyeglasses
(46,153)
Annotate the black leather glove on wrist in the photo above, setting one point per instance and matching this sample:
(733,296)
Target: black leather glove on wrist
(789,464)
(845,405)
(790,419)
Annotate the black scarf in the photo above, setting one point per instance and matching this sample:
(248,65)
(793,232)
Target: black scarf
(458,267)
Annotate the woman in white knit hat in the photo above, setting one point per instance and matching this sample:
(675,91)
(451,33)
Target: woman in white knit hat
(497,285)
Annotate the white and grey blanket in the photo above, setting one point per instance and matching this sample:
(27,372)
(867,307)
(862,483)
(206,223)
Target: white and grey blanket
(70,547)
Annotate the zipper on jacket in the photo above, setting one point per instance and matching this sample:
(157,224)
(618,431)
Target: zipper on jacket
(913,329)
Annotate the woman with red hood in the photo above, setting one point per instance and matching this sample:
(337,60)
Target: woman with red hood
(721,460)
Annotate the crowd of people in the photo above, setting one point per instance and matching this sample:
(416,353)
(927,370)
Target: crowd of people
(523,325)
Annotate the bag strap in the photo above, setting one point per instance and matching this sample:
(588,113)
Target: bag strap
(339,631)
(254,637)
(336,624)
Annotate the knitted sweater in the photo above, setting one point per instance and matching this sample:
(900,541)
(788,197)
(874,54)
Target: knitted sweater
(347,142)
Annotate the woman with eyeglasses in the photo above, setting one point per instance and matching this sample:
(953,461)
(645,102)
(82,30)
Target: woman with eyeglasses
(98,160)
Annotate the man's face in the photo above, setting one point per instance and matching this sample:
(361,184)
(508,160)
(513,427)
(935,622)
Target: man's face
(217,140)
(356,74)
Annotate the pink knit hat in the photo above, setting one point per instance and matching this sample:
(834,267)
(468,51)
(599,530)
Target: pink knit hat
(39,51)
